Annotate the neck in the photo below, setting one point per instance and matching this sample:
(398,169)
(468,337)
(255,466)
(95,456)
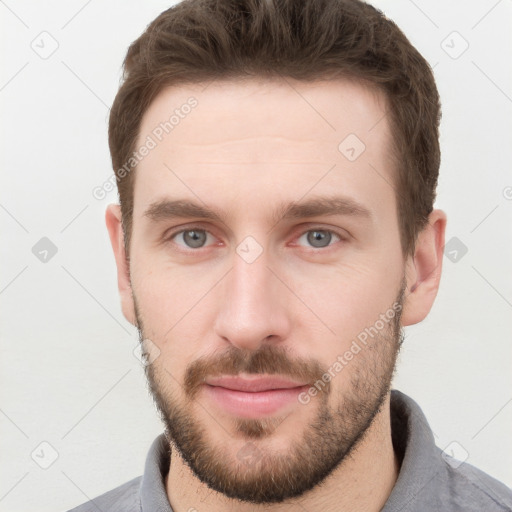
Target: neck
(362,482)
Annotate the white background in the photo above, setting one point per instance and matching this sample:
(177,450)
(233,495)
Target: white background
(68,374)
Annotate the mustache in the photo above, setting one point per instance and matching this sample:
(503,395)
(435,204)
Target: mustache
(268,360)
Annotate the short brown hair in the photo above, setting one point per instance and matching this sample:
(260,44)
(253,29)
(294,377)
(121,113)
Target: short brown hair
(201,40)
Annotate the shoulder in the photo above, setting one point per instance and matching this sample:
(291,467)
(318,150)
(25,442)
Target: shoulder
(431,480)
(469,488)
(124,498)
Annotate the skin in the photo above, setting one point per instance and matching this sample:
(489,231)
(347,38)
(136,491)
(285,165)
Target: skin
(245,149)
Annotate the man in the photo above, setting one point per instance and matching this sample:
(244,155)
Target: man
(277,162)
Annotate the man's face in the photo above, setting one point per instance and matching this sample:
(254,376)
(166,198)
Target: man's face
(266,290)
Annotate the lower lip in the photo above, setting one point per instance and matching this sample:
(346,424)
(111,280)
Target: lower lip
(253,405)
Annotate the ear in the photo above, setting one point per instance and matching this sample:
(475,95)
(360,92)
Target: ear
(115,231)
(423,271)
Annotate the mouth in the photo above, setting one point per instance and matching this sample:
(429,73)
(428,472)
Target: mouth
(253,397)
(253,384)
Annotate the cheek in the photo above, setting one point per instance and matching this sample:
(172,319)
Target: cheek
(175,303)
(168,293)
(347,298)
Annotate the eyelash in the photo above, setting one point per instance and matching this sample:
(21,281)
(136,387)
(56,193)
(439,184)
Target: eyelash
(171,236)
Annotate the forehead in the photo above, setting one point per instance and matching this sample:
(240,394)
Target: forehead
(326,109)
(259,137)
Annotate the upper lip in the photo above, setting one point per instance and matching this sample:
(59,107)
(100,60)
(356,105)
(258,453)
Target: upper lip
(254,384)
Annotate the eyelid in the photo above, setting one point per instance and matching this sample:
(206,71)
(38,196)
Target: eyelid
(338,233)
(173,232)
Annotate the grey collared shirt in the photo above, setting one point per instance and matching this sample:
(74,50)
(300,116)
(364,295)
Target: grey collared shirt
(429,480)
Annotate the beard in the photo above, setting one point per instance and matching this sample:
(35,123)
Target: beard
(262,476)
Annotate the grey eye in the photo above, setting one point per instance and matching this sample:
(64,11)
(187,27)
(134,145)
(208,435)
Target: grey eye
(319,238)
(194,238)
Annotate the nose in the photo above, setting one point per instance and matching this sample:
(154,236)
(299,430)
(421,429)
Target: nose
(252,305)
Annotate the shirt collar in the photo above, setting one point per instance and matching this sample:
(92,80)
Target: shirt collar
(153,496)
(421,461)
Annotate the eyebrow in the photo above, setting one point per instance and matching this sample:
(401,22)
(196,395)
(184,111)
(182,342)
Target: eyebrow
(167,209)
(322,206)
